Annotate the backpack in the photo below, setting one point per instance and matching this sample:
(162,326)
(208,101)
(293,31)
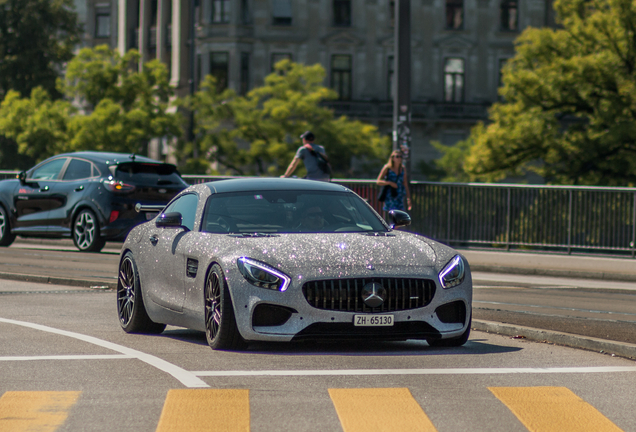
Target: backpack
(321,160)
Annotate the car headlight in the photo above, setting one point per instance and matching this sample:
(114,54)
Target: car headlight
(453,274)
(261,275)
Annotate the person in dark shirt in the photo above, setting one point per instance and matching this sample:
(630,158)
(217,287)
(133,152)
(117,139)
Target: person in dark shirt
(308,153)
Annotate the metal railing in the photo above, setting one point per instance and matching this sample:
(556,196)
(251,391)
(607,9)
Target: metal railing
(598,220)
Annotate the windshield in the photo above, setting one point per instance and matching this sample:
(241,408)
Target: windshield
(289,212)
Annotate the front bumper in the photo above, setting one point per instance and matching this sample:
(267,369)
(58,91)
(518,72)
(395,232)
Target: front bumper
(308,322)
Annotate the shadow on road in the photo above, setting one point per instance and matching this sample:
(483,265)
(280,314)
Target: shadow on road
(350,348)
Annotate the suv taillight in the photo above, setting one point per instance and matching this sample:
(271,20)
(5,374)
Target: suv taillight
(118,186)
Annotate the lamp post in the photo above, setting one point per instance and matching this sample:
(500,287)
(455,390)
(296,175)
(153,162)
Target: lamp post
(402,97)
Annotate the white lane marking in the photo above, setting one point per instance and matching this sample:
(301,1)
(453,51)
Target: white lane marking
(188,379)
(449,371)
(68,357)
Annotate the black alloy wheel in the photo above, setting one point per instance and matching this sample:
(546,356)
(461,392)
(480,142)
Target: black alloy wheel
(220,323)
(133,317)
(6,237)
(86,232)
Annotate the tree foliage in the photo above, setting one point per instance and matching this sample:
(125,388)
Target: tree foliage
(570,101)
(258,133)
(449,167)
(36,38)
(116,107)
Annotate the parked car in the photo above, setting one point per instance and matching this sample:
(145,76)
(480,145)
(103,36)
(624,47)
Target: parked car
(87,196)
(289,259)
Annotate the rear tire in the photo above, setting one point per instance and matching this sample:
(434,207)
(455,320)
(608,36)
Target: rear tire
(6,237)
(86,232)
(133,317)
(221,331)
(452,342)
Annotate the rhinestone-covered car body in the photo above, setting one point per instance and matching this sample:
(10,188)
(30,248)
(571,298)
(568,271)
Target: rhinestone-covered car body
(351,276)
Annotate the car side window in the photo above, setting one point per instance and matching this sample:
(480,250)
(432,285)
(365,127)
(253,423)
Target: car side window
(78,169)
(48,171)
(187,206)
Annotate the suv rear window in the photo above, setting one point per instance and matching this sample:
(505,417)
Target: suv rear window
(148,173)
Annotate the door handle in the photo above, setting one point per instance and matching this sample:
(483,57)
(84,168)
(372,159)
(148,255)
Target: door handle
(79,188)
(154,239)
(44,189)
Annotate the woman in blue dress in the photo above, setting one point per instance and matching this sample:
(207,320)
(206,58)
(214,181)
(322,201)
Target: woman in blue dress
(394,175)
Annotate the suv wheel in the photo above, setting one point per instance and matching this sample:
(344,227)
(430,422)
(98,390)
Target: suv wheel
(86,232)
(6,238)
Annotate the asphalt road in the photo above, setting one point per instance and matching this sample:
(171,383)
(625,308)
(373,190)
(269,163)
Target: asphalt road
(604,309)
(65,365)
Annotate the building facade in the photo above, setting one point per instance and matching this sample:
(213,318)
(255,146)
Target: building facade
(457,50)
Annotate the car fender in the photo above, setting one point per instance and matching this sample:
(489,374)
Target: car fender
(86,204)
(7,193)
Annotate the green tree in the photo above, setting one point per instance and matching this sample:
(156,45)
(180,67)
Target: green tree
(116,107)
(36,38)
(570,101)
(37,124)
(258,133)
(450,166)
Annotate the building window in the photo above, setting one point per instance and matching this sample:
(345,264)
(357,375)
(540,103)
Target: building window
(341,76)
(220,11)
(219,62)
(454,14)
(245,12)
(391,88)
(245,73)
(102,20)
(392,13)
(282,13)
(454,80)
(342,13)
(509,15)
(276,57)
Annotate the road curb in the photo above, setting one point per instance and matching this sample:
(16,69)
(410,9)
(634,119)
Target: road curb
(567,339)
(619,277)
(86,283)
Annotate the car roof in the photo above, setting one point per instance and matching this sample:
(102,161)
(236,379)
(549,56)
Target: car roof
(272,183)
(110,158)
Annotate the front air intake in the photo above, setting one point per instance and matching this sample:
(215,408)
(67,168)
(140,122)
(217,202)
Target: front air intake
(346,294)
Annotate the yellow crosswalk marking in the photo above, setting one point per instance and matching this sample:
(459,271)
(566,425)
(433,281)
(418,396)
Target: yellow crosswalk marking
(379,409)
(43,411)
(548,409)
(196,410)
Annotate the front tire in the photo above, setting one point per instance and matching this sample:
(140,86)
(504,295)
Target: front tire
(86,232)
(452,342)
(6,237)
(221,331)
(133,317)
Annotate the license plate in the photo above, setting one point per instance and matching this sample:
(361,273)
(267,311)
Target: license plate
(373,320)
(151,215)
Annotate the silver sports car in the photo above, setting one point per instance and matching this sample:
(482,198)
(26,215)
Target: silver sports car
(271,259)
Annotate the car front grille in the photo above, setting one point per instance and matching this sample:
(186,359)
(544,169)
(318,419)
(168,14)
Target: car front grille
(346,294)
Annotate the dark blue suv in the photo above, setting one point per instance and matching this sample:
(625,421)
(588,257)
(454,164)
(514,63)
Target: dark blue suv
(87,196)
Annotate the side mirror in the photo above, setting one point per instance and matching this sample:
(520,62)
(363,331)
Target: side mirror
(398,218)
(22,177)
(170,220)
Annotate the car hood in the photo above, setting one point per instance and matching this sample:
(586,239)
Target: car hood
(341,254)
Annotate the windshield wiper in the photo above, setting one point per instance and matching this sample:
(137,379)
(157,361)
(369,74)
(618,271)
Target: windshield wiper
(256,234)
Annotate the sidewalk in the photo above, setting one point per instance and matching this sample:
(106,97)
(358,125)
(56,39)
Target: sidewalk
(557,265)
